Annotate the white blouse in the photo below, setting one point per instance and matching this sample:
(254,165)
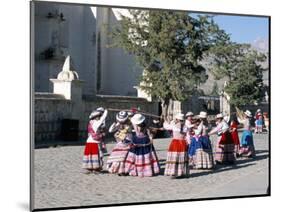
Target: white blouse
(96,125)
(176,128)
(222,127)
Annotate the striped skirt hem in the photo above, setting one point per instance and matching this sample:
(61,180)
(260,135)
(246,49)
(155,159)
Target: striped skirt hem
(225,153)
(204,159)
(145,165)
(92,159)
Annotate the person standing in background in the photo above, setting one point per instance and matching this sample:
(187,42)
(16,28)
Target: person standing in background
(259,123)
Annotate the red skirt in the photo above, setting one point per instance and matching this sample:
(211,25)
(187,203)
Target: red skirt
(92,159)
(235,137)
(91,149)
(226,138)
(177,161)
(178,145)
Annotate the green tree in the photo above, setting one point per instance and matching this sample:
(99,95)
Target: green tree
(170,46)
(242,66)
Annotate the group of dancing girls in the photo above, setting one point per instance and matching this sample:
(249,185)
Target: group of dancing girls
(134,153)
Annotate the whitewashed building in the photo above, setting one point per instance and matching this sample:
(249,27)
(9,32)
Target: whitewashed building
(82,33)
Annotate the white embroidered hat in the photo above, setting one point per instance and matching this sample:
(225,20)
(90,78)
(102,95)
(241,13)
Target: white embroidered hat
(219,116)
(189,114)
(122,116)
(202,115)
(248,113)
(180,116)
(94,114)
(138,119)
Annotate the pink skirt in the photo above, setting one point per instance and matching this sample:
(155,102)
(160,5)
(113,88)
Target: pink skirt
(116,160)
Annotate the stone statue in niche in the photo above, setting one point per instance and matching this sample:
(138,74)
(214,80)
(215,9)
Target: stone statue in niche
(58,52)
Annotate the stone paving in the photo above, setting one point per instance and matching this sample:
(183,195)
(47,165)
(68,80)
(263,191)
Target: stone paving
(60,181)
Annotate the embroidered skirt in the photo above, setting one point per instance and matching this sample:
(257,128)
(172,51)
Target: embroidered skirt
(225,149)
(142,161)
(177,160)
(116,160)
(225,153)
(92,159)
(204,155)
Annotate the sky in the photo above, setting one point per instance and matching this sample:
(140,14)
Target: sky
(244,29)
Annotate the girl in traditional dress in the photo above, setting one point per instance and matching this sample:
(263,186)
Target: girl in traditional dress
(259,123)
(247,142)
(234,134)
(142,160)
(93,156)
(225,146)
(257,113)
(201,147)
(123,136)
(266,121)
(177,160)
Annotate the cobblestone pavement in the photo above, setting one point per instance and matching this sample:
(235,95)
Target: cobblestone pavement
(60,181)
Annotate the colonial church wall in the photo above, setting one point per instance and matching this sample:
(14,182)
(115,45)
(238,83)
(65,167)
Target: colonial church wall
(62,30)
(83,33)
(119,72)
(125,72)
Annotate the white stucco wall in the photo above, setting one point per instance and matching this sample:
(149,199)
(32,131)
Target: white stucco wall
(75,36)
(78,37)
(120,73)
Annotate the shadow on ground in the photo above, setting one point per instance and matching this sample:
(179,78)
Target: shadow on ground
(260,155)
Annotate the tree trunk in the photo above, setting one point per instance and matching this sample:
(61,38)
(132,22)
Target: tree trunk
(165,108)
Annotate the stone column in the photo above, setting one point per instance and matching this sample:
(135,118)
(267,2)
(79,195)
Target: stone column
(225,106)
(69,85)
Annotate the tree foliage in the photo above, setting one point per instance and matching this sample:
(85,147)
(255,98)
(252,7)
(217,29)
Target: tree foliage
(170,46)
(242,66)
